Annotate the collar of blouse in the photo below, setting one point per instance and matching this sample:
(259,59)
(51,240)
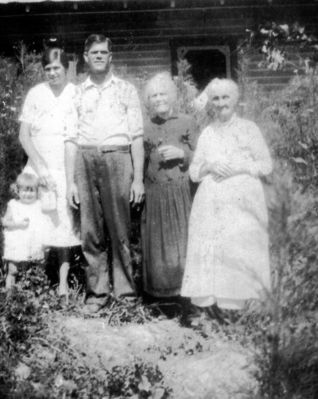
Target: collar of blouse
(230,122)
(158,120)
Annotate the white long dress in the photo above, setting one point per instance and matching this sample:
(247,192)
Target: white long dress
(52,119)
(227,256)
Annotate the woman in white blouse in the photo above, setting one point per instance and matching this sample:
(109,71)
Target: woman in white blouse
(227,259)
(48,116)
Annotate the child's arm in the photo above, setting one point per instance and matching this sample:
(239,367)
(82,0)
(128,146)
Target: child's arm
(9,223)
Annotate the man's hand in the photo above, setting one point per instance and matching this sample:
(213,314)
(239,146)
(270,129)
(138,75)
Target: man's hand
(137,192)
(72,196)
(170,152)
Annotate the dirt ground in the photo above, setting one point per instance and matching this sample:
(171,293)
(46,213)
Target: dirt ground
(193,366)
(128,350)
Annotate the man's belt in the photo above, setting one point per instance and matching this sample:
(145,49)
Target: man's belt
(106,148)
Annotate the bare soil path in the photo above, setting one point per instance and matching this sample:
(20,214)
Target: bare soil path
(193,366)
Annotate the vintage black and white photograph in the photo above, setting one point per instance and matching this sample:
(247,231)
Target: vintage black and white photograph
(159,199)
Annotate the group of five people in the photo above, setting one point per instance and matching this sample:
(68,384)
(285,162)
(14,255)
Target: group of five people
(90,146)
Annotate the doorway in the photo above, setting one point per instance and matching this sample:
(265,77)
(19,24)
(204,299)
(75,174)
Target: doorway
(206,62)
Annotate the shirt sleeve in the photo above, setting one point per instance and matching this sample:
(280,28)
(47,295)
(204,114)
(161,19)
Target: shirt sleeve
(134,114)
(199,159)
(259,163)
(29,108)
(71,134)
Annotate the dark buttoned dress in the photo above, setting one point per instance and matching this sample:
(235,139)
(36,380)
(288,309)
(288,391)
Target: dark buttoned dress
(167,206)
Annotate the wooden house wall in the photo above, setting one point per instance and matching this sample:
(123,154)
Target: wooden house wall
(276,79)
(146,33)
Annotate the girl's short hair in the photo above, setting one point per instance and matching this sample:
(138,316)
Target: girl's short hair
(52,54)
(217,84)
(164,81)
(27,179)
(97,38)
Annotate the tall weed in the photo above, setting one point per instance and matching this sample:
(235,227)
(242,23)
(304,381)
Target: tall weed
(287,338)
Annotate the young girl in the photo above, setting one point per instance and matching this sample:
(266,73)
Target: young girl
(24,227)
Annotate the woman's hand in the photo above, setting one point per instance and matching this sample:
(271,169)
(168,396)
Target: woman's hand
(219,170)
(46,180)
(170,152)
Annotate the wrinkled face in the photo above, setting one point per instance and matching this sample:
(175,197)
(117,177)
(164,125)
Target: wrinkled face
(223,102)
(27,194)
(159,101)
(98,58)
(55,74)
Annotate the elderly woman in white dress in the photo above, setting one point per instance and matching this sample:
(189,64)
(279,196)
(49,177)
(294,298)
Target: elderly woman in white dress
(227,260)
(48,116)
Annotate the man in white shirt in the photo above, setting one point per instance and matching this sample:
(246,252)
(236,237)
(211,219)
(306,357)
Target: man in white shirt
(104,171)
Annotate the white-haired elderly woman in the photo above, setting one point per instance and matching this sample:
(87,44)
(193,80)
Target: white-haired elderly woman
(227,256)
(169,139)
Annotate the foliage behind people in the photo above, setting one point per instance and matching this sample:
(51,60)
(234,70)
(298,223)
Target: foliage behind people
(289,121)
(15,79)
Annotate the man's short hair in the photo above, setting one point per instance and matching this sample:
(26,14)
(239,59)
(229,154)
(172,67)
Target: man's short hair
(97,38)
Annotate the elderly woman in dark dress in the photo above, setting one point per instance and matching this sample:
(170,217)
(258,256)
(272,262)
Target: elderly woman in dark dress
(169,142)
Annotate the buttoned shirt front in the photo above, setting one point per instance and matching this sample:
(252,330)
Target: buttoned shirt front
(108,114)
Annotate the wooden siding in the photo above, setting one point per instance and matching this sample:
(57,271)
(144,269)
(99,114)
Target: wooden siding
(146,33)
(276,80)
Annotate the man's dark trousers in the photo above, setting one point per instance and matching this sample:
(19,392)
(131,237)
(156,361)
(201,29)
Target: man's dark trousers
(104,177)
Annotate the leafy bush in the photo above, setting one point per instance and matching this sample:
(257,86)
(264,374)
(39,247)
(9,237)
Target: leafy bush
(286,332)
(16,77)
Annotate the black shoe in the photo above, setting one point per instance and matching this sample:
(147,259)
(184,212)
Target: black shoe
(215,313)
(191,316)
(94,303)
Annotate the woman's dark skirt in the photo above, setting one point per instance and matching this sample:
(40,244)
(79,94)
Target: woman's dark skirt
(164,236)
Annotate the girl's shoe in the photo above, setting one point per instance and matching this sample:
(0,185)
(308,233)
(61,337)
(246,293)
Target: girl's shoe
(63,299)
(62,291)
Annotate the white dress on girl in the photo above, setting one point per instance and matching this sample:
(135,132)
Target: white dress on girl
(227,255)
(52,119)
(25,244)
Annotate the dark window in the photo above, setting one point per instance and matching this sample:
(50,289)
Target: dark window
(207,62)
